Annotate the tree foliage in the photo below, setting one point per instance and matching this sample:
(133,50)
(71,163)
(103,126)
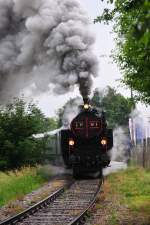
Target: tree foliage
(131,20)
(18,121)
(116,106)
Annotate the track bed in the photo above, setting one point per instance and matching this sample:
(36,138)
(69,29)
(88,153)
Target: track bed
(66,209)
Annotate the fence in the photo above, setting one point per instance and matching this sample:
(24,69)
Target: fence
(141,154)
(53,149)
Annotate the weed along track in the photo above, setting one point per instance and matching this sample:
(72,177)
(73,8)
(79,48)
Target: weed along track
(65,207)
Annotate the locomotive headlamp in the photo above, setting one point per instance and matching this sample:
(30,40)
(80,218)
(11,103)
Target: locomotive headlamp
(104,141)
(71,142)
(86,106)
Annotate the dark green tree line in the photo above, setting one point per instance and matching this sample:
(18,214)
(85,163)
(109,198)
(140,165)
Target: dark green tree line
(18,122)
(117,108)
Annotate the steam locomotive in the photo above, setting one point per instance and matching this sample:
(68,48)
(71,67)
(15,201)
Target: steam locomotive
(86,145)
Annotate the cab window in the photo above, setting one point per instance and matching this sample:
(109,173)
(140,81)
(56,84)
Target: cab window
(79,124)
(94,124)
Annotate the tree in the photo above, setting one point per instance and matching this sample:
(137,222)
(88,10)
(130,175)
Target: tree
(18,121)
(116,106)
(50,123)
(132,25)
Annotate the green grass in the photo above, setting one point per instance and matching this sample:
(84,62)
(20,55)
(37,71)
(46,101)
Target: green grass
(133,185)
(15,184)
(113,219)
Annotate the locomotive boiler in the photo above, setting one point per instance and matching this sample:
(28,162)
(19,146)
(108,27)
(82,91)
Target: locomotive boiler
(85,146)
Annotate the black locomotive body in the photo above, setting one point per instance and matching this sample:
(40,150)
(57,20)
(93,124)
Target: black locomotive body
(85,146)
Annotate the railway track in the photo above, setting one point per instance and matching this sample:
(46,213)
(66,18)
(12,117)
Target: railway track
(65,207)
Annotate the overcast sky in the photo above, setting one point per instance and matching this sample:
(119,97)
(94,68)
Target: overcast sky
(108,72)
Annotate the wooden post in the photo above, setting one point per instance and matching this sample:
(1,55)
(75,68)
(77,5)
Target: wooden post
(148,154)
(132,125)
(144,153)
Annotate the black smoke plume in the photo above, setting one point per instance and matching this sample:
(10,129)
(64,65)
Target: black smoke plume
(44,45)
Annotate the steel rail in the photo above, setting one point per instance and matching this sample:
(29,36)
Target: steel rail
(19,217)
(81,219)
(58,208)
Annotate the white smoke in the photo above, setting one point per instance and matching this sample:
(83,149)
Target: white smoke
(45,42)
(71,110)
(122,145)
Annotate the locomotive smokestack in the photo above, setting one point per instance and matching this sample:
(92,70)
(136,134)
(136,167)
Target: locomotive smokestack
(86,103)
(86,100)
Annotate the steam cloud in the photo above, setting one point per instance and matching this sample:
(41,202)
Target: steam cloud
(121,149)
(70,111)
(45,44)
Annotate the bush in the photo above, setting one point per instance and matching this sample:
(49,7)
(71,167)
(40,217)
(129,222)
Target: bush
(18,121)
